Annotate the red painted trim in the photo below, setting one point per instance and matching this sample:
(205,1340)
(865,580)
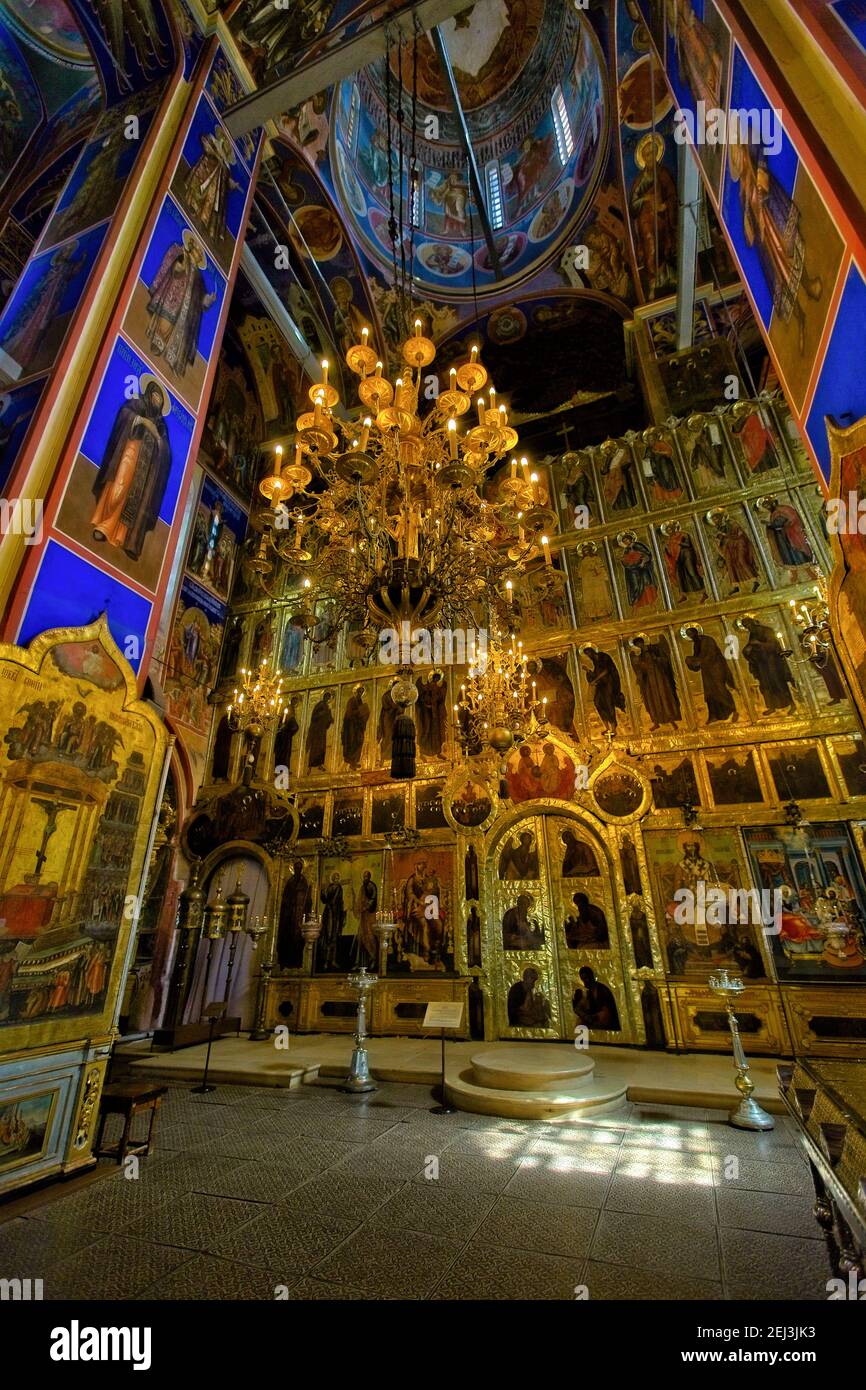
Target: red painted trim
(835,40)
(61,363)
(848,213)
(30,565)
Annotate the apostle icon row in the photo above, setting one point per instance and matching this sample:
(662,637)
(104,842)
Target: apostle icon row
(701,456)
(699,677)
(726,552)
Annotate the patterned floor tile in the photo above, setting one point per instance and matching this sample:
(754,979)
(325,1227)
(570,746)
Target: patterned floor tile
(551,1230)
(786,1214)
(473,1172)
(205,1277)
(779,1175)
(403,1264)
(344,1195)
(117,1267)
(309,1289)
(256,1182)
(435,1210)
(489,1272)
(673,1249)
(194,1221)
(618,1283)
(28,1248)
(290,1241)
(758,1265)
(680,1197)
(561,1181)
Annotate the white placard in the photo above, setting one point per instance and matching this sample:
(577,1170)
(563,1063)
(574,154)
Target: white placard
(445,1015)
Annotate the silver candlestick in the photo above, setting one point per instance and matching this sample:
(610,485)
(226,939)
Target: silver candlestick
(358,1079)
(748,1114)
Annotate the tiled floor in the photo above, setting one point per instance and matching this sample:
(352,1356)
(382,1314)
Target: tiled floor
(255,1193)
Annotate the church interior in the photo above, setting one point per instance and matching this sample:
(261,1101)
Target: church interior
(433,438)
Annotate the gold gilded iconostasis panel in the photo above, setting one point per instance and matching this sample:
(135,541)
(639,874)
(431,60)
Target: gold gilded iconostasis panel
(679,701)
(83,764)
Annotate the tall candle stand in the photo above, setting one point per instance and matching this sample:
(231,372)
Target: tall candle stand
(358,1079)
(257,929)
(748,1114)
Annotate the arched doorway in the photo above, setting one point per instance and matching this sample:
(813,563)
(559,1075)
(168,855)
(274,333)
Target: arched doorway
(554,913)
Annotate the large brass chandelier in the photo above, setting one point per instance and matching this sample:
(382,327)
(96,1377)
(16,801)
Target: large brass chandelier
(385,512)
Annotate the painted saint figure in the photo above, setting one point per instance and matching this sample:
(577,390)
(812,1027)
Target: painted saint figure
(787,536)
(430,713)
(768,662)
(296,904)
(179,297)
(132,478)
(355,719)
(737,554)
(716,675)
(207,185)
(321,719)
(526,1009)
(652,664)
(519,860)
(41,307)
(594,1005)
(364,906)
(771,223)
(684,566)
(640,579)
(606,685)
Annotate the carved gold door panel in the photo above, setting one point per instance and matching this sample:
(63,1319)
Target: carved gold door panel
(554,914)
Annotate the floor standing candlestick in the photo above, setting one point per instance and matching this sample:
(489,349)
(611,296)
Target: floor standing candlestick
(358,1079)
(748,1114)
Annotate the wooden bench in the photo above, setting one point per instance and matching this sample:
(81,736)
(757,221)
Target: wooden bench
(128,1098)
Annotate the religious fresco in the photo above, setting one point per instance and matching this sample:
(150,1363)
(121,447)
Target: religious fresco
(539,769)
(121,495)
(175,308)
(349,898)
(21,109)
(81,766)
(217,532)
(49,28)
(234,424)
(545,178)
(190,665)
(269,38)
(25,1124)
(34,322)
(735,555)
(734,779)
(211,183)
(695,944)
(840,391)
(132,42)
(93,189)
(67,587)
(422,891)
(17,406)
(816,875)
(698,57)
(786,242)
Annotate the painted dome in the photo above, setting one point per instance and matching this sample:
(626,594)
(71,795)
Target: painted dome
(531,79)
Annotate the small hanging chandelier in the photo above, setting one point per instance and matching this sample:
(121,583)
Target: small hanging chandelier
(499,705)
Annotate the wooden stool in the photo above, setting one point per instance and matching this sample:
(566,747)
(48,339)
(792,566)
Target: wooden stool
(128,1098)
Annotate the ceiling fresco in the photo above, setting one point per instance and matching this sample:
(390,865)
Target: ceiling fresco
(515,62)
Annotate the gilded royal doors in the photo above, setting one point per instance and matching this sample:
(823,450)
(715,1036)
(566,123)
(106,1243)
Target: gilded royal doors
(554,932)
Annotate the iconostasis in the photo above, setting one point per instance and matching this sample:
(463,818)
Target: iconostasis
(684,722)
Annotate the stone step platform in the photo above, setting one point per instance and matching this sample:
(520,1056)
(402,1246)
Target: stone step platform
(538,1081)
